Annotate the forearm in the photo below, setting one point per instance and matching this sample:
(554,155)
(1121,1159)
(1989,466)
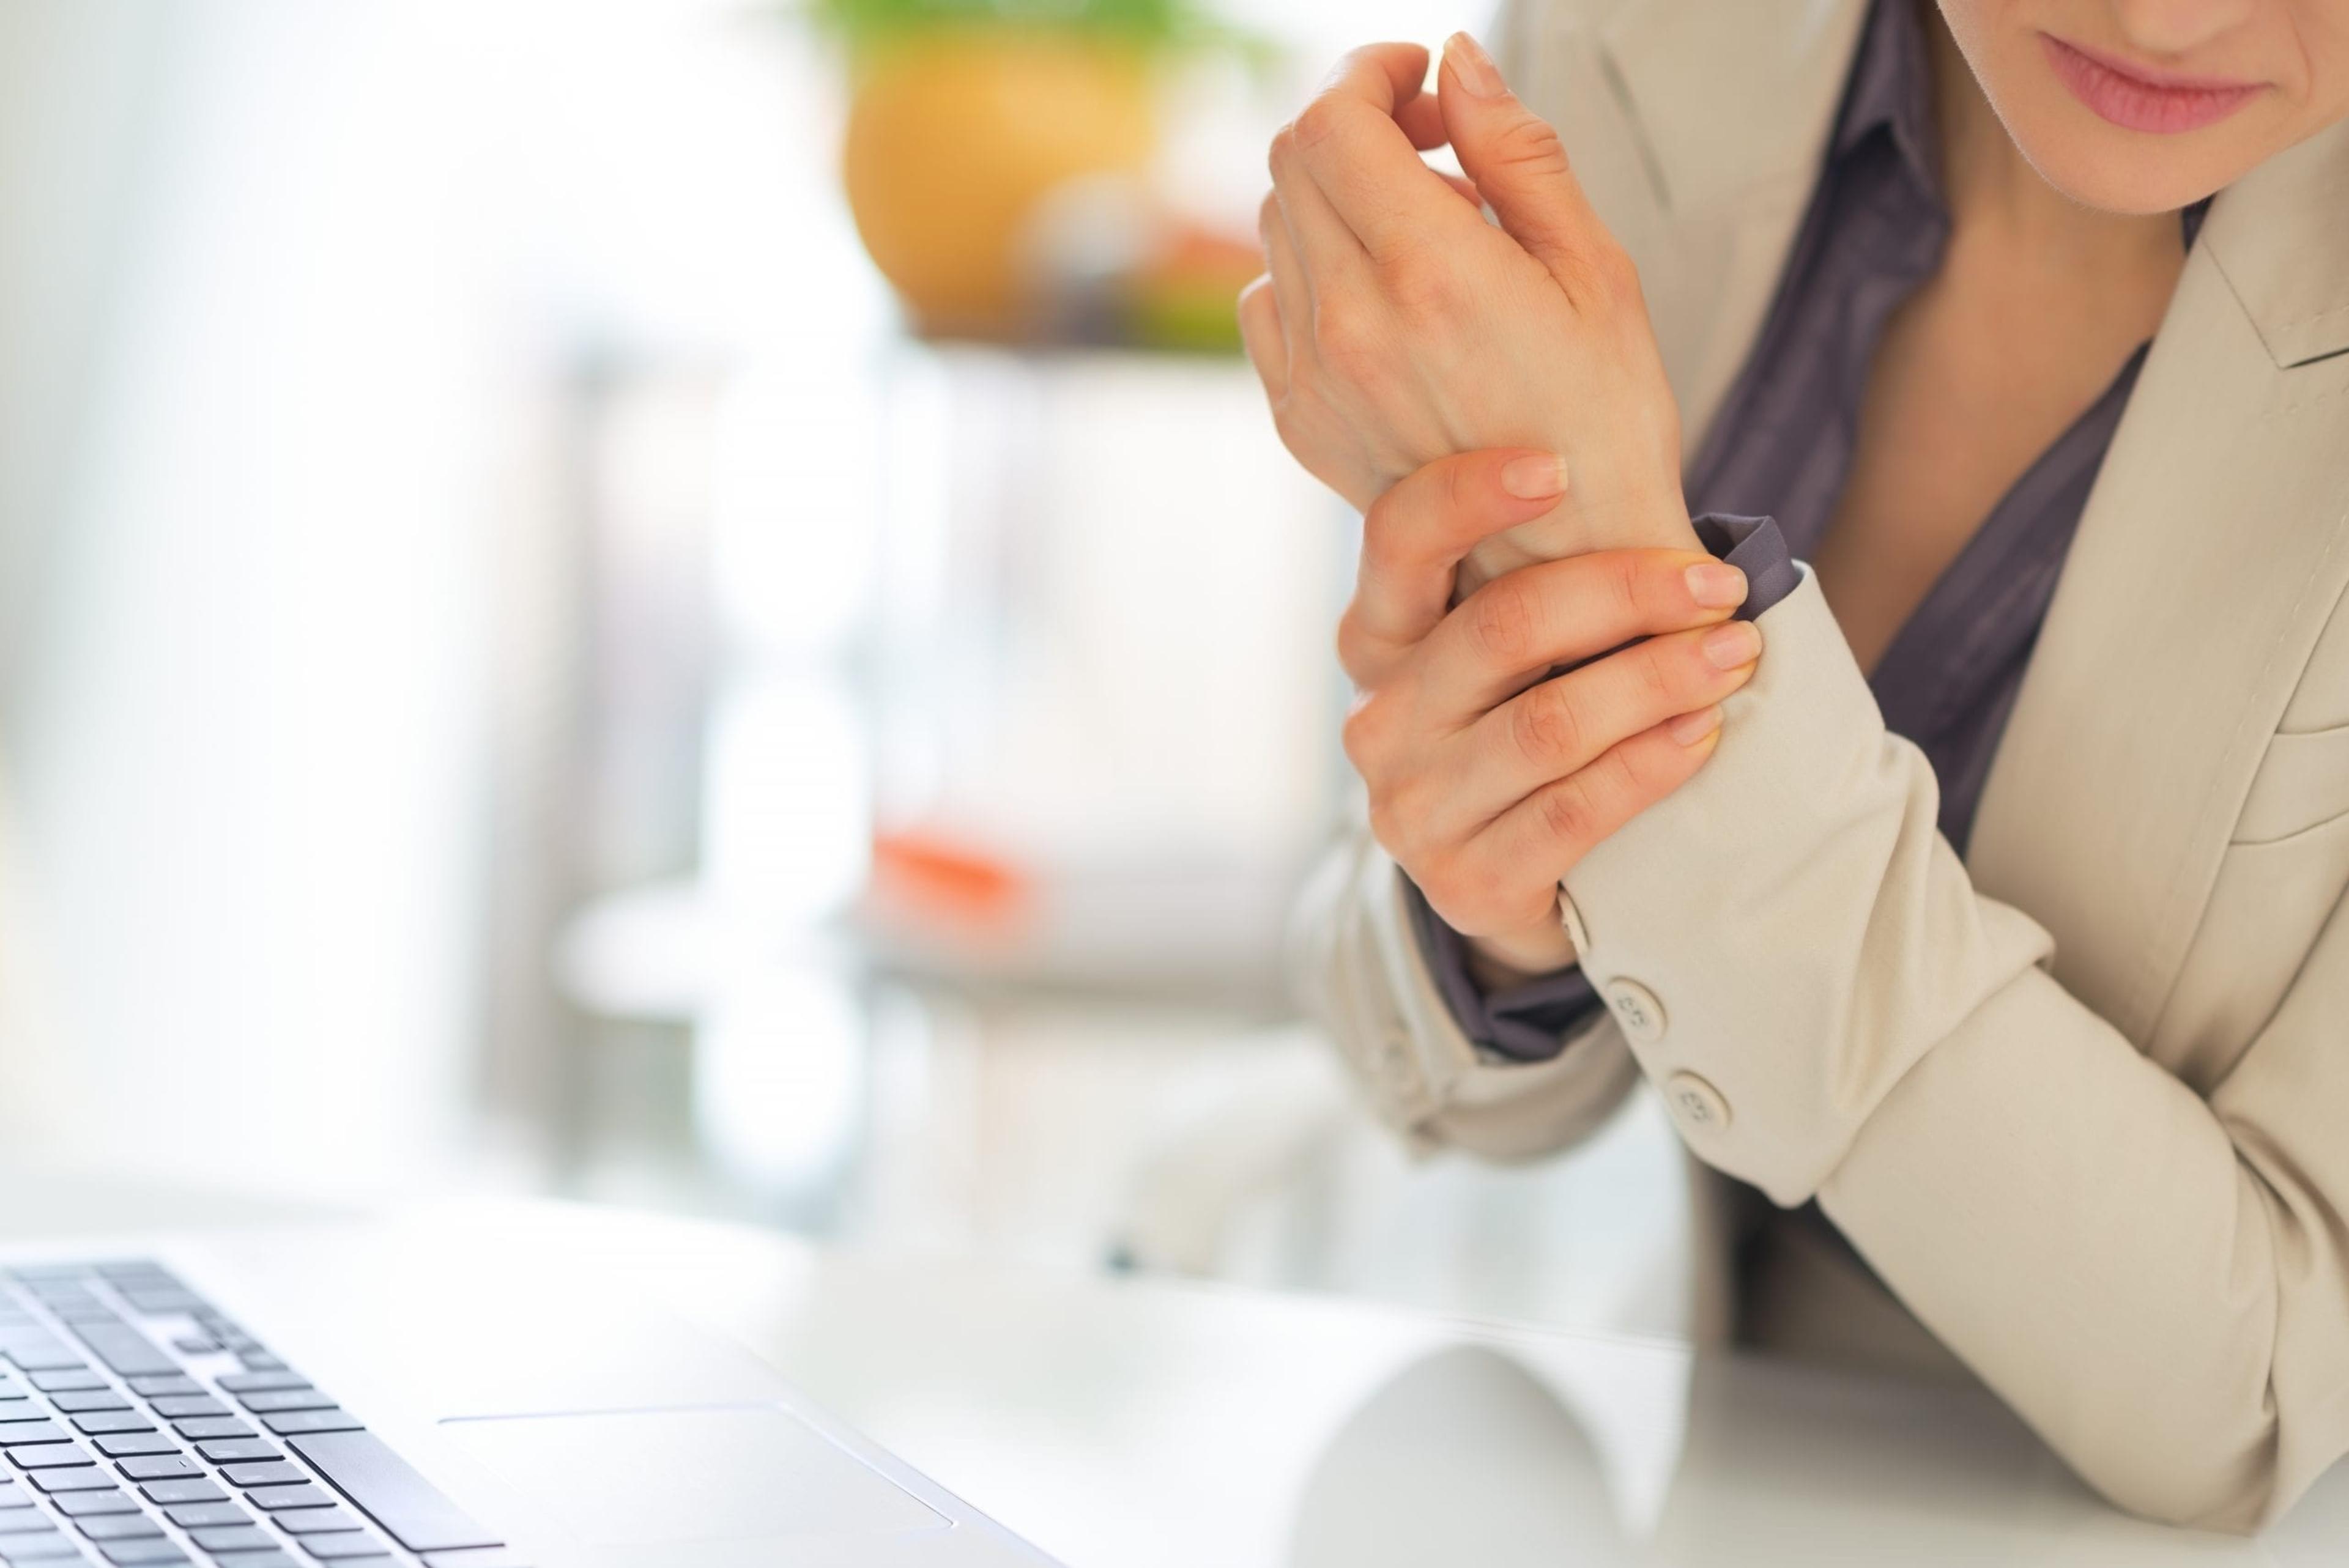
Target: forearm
(2154,1279)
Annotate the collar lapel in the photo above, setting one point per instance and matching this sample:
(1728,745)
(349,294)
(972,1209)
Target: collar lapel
(1732,105)
(2280,235)
(1732,97)
(2212,552)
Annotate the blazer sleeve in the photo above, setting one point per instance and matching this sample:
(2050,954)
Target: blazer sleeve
(1364,977)
(2157,1281)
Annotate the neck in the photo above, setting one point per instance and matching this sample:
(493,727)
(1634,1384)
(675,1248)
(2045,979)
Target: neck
(1995,195)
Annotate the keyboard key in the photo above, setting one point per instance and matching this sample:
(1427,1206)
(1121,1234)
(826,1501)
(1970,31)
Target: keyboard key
(275,1472)
(48,1546)
(79,1377)
(124,1349)
(39,1350)
(234,1538)
(25,1531)
(160,1301)
(259,1560)
(49,1456)
(85,1309)
(342,1547)
(16,1521)
(118,1526)
(130,1445)
(294,1421)
(284,1399)
(317,1521)
(390,1490)
(238,1451)
(12,1495)
(127,1553)
(77,1478)
(108,1422)
(12,1433)
(261,1361)
(207,1515)
(271,1499)
(196,1345)
(195,1490)
(75,1504)
(263,1382)
(161,1467)
(159,1387)
(96,1399)
(63,1281)
(211,1428)
(188,1406)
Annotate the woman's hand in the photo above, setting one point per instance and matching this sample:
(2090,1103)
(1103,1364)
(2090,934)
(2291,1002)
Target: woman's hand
(1486,782)
(1396,325)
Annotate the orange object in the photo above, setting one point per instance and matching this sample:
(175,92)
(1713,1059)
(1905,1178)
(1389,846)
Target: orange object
(952,138)
(934,878)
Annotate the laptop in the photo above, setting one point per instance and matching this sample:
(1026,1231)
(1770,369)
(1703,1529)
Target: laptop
(339,1402)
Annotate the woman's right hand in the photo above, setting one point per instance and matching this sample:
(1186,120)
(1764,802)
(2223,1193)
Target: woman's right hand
(1487,783)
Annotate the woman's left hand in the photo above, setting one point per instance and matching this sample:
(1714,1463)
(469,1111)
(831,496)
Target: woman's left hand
(1395,326)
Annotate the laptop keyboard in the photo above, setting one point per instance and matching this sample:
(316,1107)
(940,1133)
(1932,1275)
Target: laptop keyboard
(140,1425)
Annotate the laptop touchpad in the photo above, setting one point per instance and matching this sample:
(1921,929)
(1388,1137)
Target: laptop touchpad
(654,1478)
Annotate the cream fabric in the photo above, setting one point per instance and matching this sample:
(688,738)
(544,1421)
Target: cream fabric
(2083,1100)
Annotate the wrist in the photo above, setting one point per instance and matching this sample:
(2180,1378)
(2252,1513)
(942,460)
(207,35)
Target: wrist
(1500,963)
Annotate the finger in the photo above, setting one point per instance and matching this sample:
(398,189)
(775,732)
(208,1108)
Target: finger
(1417,533)
(1563,726)
(1421,117)
(1330,255)
(1292,291)
(1260,336)
(1350,144)
(1467,188)
(1518,163)
(1505,634)
(1549,833)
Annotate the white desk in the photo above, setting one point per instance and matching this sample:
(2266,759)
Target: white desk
(1148,1424)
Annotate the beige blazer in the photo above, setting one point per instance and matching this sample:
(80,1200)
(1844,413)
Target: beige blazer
(2081,1100)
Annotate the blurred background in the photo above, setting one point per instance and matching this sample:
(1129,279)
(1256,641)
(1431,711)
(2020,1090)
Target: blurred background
(689,603)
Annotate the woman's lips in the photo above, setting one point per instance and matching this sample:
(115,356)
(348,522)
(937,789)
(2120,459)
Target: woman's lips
(2121,94)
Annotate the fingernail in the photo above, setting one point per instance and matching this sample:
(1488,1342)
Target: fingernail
(1473,66)
(1716,584)
(1535,479)
(1691,727)
(1733,644)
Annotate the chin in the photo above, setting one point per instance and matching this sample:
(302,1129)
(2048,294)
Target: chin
(2114,132)
(2114,170)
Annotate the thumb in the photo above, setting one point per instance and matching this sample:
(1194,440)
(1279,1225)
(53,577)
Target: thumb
(1518,161)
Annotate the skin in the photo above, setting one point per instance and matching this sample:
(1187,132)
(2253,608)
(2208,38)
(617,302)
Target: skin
(2295,51)
(1488,782)
(1394,329)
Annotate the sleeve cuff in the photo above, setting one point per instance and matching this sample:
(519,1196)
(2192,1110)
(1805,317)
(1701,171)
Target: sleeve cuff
(1755,547)
(1524,1022)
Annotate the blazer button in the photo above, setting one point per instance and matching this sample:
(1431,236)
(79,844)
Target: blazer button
(1637,1009)
(1696,1103)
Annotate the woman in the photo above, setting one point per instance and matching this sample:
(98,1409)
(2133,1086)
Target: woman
(1968,893)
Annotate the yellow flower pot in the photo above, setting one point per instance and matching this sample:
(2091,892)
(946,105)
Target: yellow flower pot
(952,138)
